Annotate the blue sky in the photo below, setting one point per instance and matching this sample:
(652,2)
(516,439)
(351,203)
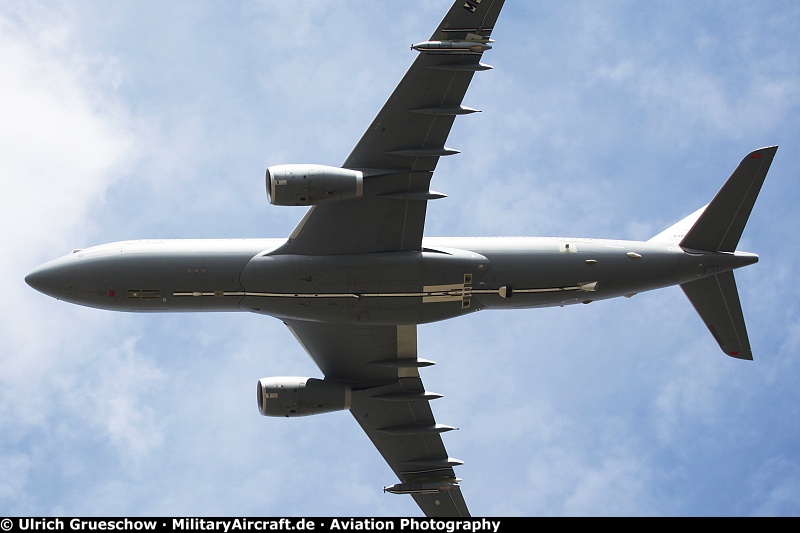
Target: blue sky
(611,119)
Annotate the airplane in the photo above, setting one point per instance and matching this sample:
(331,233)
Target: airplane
(357,276)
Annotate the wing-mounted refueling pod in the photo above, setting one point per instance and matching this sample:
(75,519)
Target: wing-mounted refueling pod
(432,486)
(473,43)
(455,47)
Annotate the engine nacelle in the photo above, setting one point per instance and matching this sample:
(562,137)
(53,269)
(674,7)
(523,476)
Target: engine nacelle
(312,184)
(296,396)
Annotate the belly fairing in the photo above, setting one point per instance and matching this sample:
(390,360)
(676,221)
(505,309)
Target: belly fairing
(380,288)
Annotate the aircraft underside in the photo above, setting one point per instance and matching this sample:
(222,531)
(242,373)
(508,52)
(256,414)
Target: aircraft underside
(450,277)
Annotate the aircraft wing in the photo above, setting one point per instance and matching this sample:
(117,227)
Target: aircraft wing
(400,149)
(397,155)
(388,400)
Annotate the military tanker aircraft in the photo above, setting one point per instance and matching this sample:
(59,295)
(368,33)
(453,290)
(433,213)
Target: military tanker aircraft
(357,276)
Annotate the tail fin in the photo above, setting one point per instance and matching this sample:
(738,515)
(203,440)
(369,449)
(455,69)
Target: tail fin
(717,228)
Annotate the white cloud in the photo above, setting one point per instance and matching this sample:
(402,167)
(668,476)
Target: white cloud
(63,133)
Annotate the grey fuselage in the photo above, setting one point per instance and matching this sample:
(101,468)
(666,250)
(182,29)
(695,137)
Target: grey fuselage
(448,278)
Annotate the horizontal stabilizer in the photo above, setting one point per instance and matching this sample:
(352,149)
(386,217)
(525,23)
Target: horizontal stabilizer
(716,300)
(720,226)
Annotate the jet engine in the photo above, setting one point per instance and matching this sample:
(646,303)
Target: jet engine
(297,396)
(312,184)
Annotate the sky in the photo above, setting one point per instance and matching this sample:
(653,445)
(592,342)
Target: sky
(608,119)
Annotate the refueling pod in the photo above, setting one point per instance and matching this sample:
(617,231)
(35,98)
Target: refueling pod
(455,47)
(291,396)
(312,184)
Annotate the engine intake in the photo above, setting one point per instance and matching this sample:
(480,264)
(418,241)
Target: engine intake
(297,396)
(312,184)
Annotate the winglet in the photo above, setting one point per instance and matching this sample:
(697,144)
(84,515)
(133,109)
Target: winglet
(720,226)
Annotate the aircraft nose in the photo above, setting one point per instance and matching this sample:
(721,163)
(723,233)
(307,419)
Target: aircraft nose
(47,280)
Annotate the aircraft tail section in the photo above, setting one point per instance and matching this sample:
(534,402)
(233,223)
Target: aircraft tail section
(717,227)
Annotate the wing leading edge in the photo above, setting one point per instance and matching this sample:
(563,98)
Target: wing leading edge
(401,147)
